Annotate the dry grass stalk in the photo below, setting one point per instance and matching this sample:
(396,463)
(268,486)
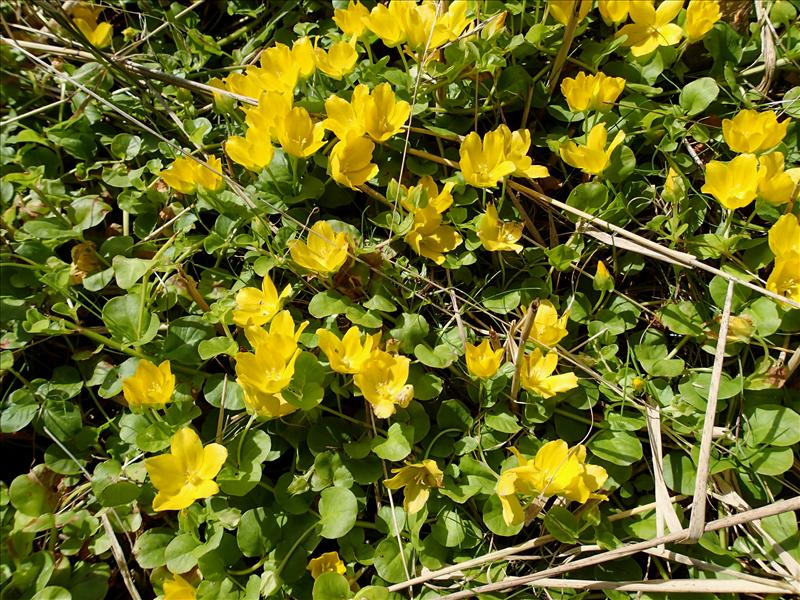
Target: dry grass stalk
(792,504)
(698,518)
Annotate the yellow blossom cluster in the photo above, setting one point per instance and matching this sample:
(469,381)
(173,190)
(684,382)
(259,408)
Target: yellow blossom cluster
(754,173)
(185,175)
(367,118)
(556,470)
(268,370)
(380,376)
(428,237)
(486,161)
(652,26)
(419,26)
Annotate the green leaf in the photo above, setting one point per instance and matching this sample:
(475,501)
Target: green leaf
(87,212)
(682,318)
(338,510)
(29,496)
(562,524)
(410,331)
(617,447)
(397,444)
(770,461)
(372,592)
(679,472)
(448,529)
(207,349)
(389,562)
(257,531)
(773,425)
(698,95)
(127,323)
(182,552)
(589,197)
(328,303)
(128,271)
(440,357)
(125,146)
(493,518)
(331,586)
(502,421)
(150,547)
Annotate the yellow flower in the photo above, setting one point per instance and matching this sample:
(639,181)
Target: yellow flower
(537,376)
(326,563)
(603,281)
(178,588)
(426,189)
(351,19)
(548,328)
(84,261)
(455,20)
(776,185)
(482,361)
(417,479)
(700,18)
(592,92)
(382,381)
(270,112)
(303,55)
(784,241)
(652,27)
(785,277)
(351,163)
(98,35)
(614,11)
(186,174)
(84,10)
(325,251)
(428,237)
(253,151)
(733,184)
(150,386)
(752,132)
(593,157)
(250,83)
(257,307)
(422,27)
(556,470)
(388,23)
(338,61)
(298,135)
(496,235)
(484,162)
(515,148)
(561,10)
(187,473)
(262,374)
(349,354)
(346,119)
(383,115)
(279,70)
(784,235)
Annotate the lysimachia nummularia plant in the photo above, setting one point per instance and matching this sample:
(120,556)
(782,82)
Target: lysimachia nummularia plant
(375,300)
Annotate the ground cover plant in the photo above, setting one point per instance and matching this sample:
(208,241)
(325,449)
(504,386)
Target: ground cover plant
(425,300)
